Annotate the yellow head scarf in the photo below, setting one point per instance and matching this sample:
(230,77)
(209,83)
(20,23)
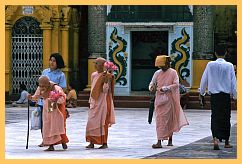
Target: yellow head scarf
(161,60)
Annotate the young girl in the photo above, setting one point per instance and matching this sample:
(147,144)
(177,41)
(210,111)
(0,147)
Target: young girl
(54,71)
(55,74)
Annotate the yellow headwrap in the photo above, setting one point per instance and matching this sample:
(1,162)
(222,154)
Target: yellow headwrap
(161,60)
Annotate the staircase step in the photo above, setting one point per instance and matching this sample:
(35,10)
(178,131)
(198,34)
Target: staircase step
(120,103)
(143,101)
(131,104)
(82,103)
(196,98)
(196,105)
(133,98)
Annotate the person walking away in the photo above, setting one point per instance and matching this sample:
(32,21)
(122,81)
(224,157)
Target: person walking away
(220,81)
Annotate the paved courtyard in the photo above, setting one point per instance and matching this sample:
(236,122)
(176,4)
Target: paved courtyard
(130,138)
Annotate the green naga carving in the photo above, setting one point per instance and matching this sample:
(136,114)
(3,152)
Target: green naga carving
(180,54)
(118,56)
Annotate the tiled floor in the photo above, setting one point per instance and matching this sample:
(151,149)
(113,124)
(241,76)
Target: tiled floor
(131,136)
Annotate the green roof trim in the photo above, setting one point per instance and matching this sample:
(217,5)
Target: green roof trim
(151,13)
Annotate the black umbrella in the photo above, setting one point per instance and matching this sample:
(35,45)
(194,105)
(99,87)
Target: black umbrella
(151,109)
(202,100)
(27,144)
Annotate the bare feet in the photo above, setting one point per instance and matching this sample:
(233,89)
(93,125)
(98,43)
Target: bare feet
(216,147)
(227,145)
(215,144)
(64,146)
(156,146)
(51,148)
(90,146)
(170,142)
(104,146)
(41,145)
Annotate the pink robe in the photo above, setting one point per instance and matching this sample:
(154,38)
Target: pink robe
(53,122)
(101,112)
(169,116)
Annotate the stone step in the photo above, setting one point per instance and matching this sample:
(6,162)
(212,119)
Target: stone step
(196,105)
(120,103)
(144,101)
(196,98)
(131,104)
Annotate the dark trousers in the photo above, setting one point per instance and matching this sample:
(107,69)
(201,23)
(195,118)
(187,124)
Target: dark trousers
(220,117)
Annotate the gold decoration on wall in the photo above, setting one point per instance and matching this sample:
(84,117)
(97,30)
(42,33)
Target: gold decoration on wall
(9,12)
(66,15)
(45,13)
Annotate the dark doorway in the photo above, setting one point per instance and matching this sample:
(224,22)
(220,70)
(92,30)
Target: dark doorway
(146,45)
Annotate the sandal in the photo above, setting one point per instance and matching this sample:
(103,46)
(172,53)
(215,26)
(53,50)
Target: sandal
(155,146)
(64,146)
(103,147)
(51,148)
(41,145)
(169,144)
(228,146)
(90,146)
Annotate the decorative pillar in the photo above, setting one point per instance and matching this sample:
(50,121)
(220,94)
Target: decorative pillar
(96,36)
(65,49)
(10,10)
(91,69)
(203,43)
(66,15)
(8,58)
(55,35)
(75,66)
(46,44)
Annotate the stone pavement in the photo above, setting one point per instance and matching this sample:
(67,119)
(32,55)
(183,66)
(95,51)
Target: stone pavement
(130,138)
(202,149)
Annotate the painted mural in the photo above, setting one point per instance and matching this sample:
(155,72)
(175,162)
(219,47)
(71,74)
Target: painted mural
(180,55)
(118,55)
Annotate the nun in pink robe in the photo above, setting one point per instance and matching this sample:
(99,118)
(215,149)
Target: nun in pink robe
(54,131)
(101,111)
(168,112)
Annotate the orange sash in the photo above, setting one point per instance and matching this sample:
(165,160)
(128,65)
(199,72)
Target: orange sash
(98,88)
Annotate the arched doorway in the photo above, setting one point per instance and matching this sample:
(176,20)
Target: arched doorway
(27,55)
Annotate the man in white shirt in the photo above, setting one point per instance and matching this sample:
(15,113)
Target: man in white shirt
(220,80)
